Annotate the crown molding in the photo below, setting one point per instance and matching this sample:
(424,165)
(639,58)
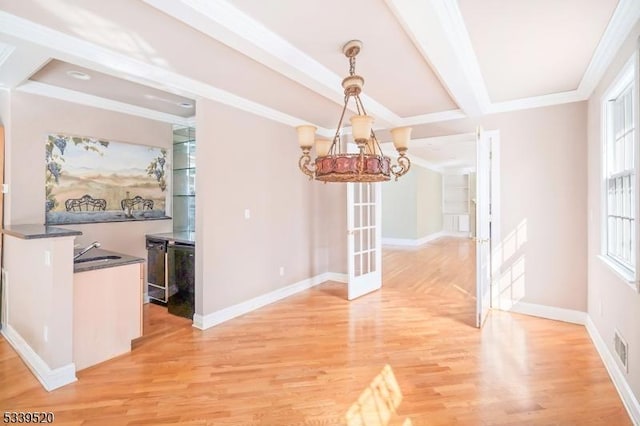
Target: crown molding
(225,23)
(388,150)
(624,17)
(92,56)
(56,92)
(536,102)
(447,139)
(434,117)
(435,26)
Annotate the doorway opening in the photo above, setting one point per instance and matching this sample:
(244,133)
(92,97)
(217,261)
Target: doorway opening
(446,208)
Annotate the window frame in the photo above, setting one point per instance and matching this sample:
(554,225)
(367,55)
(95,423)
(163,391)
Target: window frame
(628,76)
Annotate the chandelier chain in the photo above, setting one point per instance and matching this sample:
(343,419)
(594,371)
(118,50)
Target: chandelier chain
(352,65)
(336,139)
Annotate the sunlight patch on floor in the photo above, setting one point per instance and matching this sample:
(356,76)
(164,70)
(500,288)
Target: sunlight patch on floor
(377,404)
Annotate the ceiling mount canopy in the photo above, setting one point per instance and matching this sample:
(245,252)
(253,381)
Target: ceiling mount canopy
(333,163)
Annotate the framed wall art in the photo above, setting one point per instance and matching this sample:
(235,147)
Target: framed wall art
(94,180)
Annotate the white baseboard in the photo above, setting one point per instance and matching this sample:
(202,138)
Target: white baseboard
(50,379)
(549,312)
(203,322)
(622,386)
(457,234)
(411,243)
(578,317)
(337,277)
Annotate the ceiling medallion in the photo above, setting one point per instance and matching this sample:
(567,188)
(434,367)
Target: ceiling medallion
(333,163)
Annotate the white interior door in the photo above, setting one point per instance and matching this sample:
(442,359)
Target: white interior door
(364,238)
(483,251)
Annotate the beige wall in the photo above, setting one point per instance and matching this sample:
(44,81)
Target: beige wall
(32,118)
(543,157)
(613,304)
(429,202)
(399,211)
(293,220)
(412,206)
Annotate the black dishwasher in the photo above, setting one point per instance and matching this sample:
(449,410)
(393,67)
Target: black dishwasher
(156,271)
(181,275)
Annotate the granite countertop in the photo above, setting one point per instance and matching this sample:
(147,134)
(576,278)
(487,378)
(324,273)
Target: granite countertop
(124,259)
(178,237)
(30,232)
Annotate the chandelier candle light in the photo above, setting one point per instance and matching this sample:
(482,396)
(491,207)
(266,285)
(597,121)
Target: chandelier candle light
(369,164)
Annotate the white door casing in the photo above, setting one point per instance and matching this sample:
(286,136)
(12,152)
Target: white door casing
(483,229)
(364,238)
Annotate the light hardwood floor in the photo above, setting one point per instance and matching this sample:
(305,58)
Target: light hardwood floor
(315,357)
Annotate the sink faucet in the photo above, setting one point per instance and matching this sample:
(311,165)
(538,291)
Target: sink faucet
(93,245)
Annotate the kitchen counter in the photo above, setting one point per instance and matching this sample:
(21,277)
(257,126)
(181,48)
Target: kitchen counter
(178,237)
(30,232)
(124,259)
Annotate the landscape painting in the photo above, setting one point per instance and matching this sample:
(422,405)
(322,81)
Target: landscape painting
(94,180)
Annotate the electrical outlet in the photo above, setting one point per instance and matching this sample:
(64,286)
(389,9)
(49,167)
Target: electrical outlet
(247,214)
(46,333)
(282,271)
(5,188)
(47,258)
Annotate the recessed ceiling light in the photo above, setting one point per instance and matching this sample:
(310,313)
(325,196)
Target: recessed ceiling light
(186,105)
(79,75)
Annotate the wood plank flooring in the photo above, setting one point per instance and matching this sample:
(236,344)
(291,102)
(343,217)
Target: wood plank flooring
(405,355)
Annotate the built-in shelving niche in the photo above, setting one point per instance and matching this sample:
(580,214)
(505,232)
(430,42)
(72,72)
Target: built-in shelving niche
(184,179)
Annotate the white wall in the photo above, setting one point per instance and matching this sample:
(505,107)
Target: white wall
(32,118)
(613,304)
(247,162)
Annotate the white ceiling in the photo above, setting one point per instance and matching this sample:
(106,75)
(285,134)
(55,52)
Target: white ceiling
(423,61)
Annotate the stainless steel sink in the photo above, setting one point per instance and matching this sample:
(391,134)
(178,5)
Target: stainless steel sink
(104,258)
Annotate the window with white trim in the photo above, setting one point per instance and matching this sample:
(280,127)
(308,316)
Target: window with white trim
(620,172)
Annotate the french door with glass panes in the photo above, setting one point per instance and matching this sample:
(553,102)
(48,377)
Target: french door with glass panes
(364,238)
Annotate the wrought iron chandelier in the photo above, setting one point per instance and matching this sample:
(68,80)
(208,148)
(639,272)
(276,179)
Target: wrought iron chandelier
(332,164)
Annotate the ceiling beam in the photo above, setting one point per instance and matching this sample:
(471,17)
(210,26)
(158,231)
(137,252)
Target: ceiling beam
(438,31)
(225,23)
(21,32)
(17,64)
(82,98)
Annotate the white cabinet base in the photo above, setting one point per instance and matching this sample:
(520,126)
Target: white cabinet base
(107,307)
